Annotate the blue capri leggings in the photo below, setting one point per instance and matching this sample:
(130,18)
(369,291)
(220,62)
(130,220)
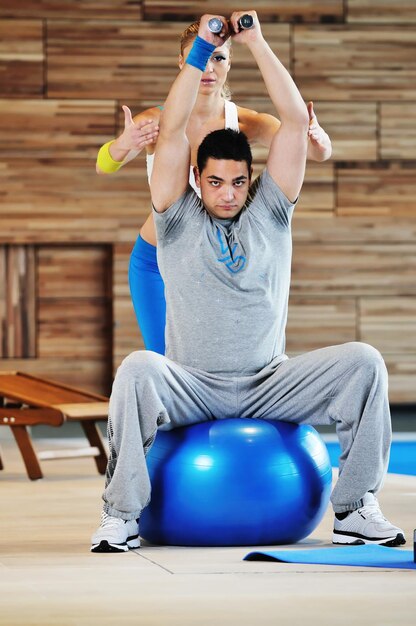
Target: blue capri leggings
(147,291)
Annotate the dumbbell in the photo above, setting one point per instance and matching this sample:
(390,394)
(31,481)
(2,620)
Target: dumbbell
(245,22)
(215,25)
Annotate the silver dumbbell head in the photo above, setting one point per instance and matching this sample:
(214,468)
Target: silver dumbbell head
(215,25)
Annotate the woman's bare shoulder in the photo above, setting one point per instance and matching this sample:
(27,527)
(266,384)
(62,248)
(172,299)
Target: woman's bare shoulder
(152,113)
(259,127)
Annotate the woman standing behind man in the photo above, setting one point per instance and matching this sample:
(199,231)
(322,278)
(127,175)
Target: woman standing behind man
(213,110)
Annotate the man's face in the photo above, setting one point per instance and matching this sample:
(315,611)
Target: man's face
(224,186)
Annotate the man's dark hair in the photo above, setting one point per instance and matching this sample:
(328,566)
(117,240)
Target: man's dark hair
(224,144)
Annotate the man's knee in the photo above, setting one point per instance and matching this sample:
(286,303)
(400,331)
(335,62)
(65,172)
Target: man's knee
(141,364)
(366,358)
(359,351)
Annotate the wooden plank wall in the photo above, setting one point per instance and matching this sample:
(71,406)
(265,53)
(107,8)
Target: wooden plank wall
(17,301)
(56,312)
(66,67)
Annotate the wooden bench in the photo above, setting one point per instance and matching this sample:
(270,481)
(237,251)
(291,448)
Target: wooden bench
(28,401)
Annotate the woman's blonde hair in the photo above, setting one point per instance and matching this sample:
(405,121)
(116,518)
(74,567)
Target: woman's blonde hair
(187,37)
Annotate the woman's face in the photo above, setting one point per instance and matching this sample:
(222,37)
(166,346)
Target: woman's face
(216,71)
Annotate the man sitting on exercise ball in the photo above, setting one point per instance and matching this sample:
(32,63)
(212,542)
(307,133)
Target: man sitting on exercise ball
(226,261)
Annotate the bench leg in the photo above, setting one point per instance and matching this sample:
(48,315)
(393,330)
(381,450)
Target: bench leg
(94,437)
(27,451)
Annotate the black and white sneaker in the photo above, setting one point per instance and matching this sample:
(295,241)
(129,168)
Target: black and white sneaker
(367,525)
(115,535)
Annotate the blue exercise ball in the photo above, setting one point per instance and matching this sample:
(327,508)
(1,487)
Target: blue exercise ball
(236,482)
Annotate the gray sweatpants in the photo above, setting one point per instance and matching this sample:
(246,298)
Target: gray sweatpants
(345,385)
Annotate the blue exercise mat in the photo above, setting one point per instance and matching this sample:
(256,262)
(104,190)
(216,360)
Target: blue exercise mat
(362,556)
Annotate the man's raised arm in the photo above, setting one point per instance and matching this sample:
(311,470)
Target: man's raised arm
(172,157)
(287,155)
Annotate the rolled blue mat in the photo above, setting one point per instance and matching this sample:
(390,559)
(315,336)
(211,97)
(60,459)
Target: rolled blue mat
(362,556)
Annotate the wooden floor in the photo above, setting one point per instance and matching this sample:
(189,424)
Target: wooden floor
(49,577)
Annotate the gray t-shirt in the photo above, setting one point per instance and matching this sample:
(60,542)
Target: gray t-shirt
(226,281)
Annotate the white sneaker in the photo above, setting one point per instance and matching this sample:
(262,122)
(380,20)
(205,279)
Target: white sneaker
(367,525)
(115,535)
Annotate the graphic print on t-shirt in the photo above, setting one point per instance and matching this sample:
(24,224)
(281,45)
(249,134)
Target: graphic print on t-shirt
(233,263)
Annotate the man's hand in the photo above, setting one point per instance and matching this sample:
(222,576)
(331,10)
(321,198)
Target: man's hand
(216,39)
(319,139)
(137,135)
(249,35)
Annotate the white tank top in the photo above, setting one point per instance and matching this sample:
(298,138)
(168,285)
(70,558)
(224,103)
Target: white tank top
(230,121)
